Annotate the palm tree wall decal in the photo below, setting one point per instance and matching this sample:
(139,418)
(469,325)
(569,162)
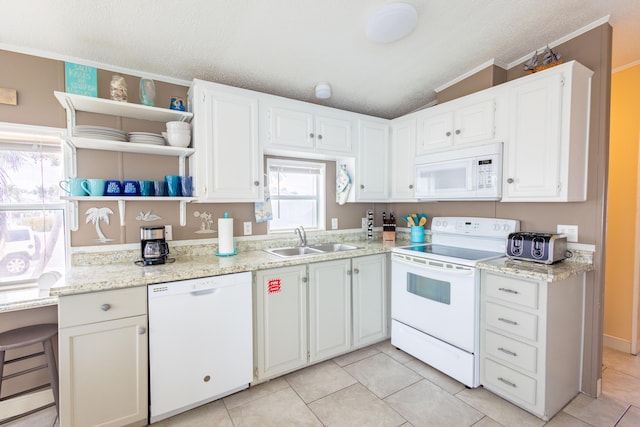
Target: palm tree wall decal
(96,215)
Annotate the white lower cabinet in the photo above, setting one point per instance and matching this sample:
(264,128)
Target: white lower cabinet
(103,352)
(531,340)
(309,313)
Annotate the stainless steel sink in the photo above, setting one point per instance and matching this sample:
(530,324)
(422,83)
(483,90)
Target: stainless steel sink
(320,249)
(334,247)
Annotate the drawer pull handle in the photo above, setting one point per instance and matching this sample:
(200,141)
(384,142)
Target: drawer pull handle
(105,307)
(510,322)
(507,382)
(510,291)
(505,351)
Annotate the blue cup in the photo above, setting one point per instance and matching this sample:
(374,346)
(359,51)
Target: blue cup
(94,186)
(160,188)
(173,185)
(113,188)
(73,186)
(186,186)
(146,188)
(131,188)
(417,234)
(177,103)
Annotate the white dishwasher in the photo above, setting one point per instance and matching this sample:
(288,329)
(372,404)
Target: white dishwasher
(200,342)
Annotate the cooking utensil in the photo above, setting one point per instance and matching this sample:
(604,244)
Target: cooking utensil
(411,221)
(423,221)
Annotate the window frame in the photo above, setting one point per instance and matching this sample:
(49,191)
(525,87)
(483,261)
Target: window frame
(321,197)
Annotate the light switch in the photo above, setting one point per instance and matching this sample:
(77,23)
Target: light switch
(571,231)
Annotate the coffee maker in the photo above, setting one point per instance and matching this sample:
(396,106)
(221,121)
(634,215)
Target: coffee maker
(153,245)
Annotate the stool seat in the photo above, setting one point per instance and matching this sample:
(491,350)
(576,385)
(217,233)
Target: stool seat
(28,335)
(22,337)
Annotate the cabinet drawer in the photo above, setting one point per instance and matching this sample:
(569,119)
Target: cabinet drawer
(509,350)
(499,377)
(512,321)
(101,306)
(517,291)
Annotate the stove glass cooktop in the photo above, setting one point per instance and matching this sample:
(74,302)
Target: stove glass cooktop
(451,252)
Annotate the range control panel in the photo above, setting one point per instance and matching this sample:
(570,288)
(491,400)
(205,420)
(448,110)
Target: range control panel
(475,226)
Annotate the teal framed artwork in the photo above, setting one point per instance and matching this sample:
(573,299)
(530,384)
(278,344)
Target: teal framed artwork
(80,79)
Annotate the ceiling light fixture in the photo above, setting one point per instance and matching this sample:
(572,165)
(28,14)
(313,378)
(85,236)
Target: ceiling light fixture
(323,90)
(391,22)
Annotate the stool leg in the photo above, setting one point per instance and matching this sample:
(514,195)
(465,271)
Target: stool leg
(53,372)
(1,369)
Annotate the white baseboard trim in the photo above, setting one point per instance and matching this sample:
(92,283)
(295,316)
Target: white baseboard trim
(21,404)
(616,343)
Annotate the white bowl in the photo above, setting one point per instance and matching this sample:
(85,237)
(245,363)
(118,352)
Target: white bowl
(178,126)
(178,139)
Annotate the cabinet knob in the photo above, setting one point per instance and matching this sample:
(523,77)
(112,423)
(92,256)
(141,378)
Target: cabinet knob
(256,183)
(311,135)
(362,186)
(356,271)
(448,133)
(457,131)
(304,280)
(410,186)
(319,136)
(105,307)
(141,330)
(509,180)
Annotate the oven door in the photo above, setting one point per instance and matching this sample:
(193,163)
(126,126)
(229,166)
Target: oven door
(437,298)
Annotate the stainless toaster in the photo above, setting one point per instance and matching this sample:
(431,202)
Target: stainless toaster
(545,248)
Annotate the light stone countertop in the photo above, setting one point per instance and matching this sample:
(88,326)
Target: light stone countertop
(532,270)
(124,274)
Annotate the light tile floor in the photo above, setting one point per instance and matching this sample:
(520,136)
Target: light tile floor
(382,386)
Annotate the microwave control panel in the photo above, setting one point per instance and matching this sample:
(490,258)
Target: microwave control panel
(486,173)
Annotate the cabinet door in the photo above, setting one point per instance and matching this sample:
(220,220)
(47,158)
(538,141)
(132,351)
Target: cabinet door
(370,302)
(333,134)
(532,153)
(281,320)
(329,309)
(474,123)
(290,128)
(104,374)
(403,153)
(435,131)
(372,176)
(231,167)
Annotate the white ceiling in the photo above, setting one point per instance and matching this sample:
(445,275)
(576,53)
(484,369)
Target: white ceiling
(285,47)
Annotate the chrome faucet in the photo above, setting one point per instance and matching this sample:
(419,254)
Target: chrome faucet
(303,236)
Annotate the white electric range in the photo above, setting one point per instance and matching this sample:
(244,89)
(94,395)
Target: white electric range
(435,303)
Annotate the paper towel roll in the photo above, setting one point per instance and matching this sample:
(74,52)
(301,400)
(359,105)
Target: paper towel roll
(225,236)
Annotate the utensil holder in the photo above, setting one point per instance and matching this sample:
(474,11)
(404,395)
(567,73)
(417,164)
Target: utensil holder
(417,234)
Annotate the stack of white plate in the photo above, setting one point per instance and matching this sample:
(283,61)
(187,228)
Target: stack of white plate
(146,138)
(99,132)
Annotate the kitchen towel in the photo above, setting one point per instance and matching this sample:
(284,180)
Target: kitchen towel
(343,184)
(225,236)
(263,209)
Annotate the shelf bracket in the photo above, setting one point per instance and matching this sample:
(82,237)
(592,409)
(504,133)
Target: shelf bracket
(122,211)
(181,165)
(183,213)
(72,214)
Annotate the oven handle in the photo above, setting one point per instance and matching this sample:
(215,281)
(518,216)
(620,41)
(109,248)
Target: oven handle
(461,271)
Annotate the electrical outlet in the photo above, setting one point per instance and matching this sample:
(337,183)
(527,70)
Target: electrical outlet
(364,223)
(571,231)
(334,223)
(168,232)
(247,228)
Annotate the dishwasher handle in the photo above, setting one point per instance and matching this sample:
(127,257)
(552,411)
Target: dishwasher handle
(204,292)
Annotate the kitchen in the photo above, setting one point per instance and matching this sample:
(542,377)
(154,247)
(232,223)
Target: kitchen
(536,216)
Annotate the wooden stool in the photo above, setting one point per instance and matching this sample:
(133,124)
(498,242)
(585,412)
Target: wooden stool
(23,337)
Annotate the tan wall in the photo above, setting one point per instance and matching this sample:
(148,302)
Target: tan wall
(484,79)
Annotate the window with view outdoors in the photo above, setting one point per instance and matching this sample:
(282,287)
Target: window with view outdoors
(32,237)
(297,190)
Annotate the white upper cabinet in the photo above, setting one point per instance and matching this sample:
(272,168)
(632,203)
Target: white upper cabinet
(403,153)
(546,153)
(372,174)
(227,166)
(456,123)
(291,127)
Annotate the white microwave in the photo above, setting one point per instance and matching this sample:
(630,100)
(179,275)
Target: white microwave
(473,173)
